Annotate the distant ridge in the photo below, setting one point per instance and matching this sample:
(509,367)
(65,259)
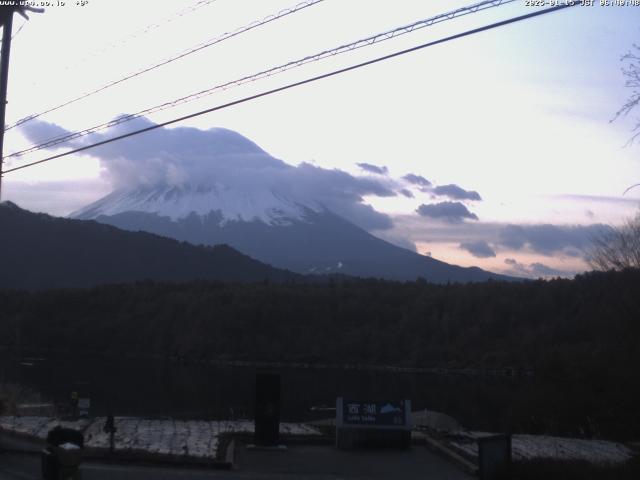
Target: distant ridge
(40,251)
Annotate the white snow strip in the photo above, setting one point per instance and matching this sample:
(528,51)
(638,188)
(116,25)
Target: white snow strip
(542,446)
(195,438)
(262,204)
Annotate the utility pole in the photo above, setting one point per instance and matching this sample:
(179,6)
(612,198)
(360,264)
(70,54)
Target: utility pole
(6,17)
(7,25)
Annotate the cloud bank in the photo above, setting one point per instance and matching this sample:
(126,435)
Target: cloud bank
(417,180)
(368,167)
(456,193)
(535,270)
(550,239)
(452,212)
(478,249)
(184,155)
(406,193)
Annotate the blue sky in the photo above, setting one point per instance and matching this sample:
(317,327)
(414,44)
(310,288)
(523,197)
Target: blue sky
(519,115)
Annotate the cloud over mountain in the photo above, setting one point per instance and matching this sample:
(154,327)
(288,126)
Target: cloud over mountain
(456,193)
(535,270)
(184,155)
(368,167)
(452,212)
(417,180)
(478,249)
(549,239)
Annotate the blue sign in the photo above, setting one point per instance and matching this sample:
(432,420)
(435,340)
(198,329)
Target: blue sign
(369,413)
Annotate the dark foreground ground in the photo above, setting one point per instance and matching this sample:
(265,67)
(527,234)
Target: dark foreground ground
(297,462)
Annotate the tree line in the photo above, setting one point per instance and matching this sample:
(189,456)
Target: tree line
(580,337)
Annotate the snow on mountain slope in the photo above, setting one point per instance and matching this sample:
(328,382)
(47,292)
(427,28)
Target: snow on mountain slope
(178,202)
(228,174)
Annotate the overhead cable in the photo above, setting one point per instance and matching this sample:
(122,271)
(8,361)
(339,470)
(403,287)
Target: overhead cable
(364,42)
(302,82)
(196,48)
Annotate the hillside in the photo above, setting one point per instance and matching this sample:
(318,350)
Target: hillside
(40,251)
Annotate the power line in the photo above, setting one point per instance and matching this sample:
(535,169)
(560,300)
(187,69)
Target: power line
(365,42)
(6,20)
(630,188)
(197,48)
(24,22)
(303,82)
(180,13)
(144,30)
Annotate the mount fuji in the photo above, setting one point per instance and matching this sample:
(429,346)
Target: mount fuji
(223,189)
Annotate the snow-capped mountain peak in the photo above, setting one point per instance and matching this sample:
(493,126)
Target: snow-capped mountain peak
(176,202)
(217,187)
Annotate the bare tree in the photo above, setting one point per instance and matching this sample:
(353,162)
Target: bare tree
(618,249)
(631,72)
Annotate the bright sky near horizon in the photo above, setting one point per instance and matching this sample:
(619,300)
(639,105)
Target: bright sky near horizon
(520,114)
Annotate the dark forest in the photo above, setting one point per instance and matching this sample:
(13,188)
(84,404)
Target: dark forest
(578,338)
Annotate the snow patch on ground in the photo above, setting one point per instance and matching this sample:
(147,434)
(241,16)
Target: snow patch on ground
(195,438)
(526,447)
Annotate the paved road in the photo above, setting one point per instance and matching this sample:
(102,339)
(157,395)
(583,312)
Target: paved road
(298,462)
(27,467)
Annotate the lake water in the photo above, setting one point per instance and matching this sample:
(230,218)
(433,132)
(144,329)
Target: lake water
(162,389)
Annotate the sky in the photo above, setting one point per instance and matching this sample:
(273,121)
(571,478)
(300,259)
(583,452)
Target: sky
(495,150)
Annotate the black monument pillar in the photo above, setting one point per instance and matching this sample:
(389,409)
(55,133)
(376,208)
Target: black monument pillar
(267,413)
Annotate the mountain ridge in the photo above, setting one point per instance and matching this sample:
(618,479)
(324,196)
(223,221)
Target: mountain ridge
(42,251)
(321,243)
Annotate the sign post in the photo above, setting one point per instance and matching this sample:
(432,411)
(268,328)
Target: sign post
(74,404)
(110,428)
(373,423)
(84,404)
(494,457)
(267,412)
